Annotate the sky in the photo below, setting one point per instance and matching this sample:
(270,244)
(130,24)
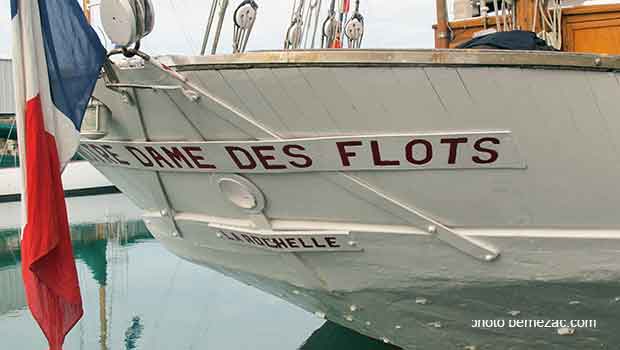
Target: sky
(179,25)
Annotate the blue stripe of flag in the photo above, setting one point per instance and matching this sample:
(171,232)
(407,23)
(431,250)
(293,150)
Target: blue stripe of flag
(74,56)
(14,7)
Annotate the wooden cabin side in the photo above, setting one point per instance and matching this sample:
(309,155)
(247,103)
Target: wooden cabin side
(585,28)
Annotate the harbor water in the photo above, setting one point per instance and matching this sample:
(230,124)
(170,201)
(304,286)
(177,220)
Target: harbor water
(137,295)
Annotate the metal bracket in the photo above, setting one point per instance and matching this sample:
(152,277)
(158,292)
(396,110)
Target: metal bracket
(142,86)
(168,211)
(470,246)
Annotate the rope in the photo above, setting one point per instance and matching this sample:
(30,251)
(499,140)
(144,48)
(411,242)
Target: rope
(220,23)
(550,23)
(205,40)
(504,13)
(295,31)
(301,32)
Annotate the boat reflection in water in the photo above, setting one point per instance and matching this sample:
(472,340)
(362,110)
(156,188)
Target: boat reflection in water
(138,296)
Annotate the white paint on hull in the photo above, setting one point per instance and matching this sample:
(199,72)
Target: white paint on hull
(554,222)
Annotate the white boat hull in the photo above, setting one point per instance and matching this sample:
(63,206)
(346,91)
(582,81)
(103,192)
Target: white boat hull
(421,233)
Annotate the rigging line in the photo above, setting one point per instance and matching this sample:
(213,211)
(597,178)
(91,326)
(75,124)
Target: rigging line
(316,23)
(188,39)
(497,16)
(205,40)
(218,31)
(294,8)
(308,22)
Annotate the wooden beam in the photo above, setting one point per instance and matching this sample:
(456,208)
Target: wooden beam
(442,36)
(525,11)
(591,9)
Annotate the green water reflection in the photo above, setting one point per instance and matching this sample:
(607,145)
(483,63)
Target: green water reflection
(138,296)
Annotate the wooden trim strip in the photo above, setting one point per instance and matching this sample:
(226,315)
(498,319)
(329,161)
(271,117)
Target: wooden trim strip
(396,58)
(590,9)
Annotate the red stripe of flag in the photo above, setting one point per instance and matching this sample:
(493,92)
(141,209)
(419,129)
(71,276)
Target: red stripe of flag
(49,272)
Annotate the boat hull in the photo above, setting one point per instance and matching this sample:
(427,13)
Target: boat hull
(424,238)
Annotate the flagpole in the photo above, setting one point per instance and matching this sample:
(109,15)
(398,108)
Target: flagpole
(51,139)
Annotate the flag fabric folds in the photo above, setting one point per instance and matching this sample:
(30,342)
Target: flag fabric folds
(57,59)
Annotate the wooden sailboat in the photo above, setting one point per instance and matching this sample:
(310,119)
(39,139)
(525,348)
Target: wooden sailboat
(380,188)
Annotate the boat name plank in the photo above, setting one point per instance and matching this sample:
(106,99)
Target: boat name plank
(290,241)
(467,150)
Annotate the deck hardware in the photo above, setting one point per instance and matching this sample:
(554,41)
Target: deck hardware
(386,340)
(514,313)
(125,97)
(398,326)
(242,193)
(191,95)
(353,308)
(244,18)
(168,211)
(95,120)
(245,195)
(126,22)
(349,318)
(124,86)
(468,245)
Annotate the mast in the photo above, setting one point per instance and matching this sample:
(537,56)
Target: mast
(442,38)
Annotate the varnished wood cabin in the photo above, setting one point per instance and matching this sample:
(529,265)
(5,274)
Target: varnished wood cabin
(586,27)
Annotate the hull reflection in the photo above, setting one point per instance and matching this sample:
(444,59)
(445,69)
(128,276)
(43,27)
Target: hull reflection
(138,296)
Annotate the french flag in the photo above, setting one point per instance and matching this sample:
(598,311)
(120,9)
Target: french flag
(57,59)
